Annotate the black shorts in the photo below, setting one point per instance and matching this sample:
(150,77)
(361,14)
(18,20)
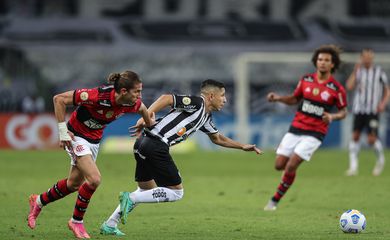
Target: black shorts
(154,162)
(370,122)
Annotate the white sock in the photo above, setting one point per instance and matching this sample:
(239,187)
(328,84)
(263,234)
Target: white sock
(354,148)
(38,201)
(379,152)
(113,220)
(156,195)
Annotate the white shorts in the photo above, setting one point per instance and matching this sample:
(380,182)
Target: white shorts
(302,145)
(82,147)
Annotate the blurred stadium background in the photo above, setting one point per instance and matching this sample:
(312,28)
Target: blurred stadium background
(254,46)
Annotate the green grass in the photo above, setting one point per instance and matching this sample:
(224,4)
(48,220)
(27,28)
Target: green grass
(225,193)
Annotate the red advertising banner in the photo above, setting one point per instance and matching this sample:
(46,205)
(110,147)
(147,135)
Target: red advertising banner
(24,131)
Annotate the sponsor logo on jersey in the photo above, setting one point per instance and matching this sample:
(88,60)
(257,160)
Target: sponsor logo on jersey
(341,99)
(186,100)
(84,96)
(109,114)
(325,95)
(93,124)
(182,131)
(331,86)
(308,89)
(310,108)
(316,91)
(106,103)
(308,79)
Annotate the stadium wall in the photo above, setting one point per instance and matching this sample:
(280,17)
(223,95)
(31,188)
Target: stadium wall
(23,131)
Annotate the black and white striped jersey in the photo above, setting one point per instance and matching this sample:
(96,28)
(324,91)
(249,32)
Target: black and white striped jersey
(187,116)
(370,86)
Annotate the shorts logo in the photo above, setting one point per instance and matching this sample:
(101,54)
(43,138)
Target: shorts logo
(84,96)
(186,100)
(373,123)
(79,148)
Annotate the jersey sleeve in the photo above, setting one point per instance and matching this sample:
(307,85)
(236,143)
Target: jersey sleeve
(187,103)
(384,78)
(85,96)
(341,101)
(298,90)
(209,126)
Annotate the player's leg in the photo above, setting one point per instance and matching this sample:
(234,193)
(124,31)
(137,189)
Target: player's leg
(110,226)
(374,141)
(354,145)
(87,166)
(284,151)
(153,163)
(304,149)
(59,190)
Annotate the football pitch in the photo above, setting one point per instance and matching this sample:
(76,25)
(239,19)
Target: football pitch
(225,193)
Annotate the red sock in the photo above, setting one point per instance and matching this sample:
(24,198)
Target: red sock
(85,194)
(58,191)
(287,181)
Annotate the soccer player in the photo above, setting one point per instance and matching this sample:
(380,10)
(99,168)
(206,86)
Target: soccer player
(156,173)
(316,93)
(371,96)
(80,138)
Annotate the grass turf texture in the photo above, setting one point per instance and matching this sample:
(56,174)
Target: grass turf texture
(225,193)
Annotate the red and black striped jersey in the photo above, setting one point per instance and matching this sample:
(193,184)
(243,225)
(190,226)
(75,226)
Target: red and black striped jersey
(316,98)
(96,108)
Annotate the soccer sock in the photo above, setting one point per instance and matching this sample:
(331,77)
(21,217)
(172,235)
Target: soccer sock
(113,220)
(85,194)
(156,195)
(287,181)
(354,148)
(379,152)
(58,191)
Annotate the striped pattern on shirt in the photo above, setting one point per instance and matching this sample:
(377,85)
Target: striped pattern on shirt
(187,116)
(370,85)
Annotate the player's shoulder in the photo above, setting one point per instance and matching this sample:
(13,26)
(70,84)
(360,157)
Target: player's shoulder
(308,77)
(335,85)
(105,88)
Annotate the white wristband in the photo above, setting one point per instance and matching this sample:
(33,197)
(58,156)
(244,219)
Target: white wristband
(63,132)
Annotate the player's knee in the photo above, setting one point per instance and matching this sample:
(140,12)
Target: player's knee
(94,181)
(73,186)
(179,193)
(279,166)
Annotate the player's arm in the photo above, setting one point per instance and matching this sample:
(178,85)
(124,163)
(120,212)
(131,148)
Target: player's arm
(162,102)
(351,81)
(289,99)
(385,99)
(147,117)
(60,102)
(329,117)
(224,141)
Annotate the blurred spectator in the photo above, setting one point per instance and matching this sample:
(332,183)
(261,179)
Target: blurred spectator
(371,96)
(33,104)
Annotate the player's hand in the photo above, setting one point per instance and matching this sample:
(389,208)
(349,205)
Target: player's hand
(136,130)
(381,108)
(67,141)
(357,66)
(327,117)
(272,97)
(251,148)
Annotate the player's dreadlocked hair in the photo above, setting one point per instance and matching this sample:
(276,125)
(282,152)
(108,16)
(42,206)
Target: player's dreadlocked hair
(126,79)
(332,50)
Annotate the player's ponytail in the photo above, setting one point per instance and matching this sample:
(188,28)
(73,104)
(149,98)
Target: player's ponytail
(126,79)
